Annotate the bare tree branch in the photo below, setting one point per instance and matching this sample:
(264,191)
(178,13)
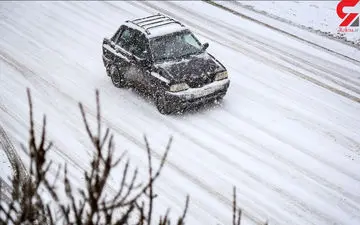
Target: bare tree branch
(93,204)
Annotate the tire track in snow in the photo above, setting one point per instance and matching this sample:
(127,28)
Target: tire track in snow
(314,177)
(251,174)
(332,189)
(261,149)
(348,75)
(300,111)
(302,98)
(283,139)
(302,114)
(299,62)
(279,30)
(186,174)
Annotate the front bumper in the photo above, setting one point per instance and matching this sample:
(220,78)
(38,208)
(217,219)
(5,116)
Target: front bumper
(195,96)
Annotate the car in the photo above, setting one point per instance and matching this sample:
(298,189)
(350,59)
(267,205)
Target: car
(160,56)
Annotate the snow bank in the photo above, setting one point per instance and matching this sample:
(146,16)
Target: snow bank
(319,16)
(318,22)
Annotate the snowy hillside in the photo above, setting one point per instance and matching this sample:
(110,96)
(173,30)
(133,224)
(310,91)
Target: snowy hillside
(287,133)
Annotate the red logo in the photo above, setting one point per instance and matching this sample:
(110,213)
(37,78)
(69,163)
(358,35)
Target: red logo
(349,19)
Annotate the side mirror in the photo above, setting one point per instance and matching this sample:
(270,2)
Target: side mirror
(133,58)
(205,46)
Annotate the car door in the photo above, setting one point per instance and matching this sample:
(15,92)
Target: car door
(128,45)
(110,56)
(142,63)
(120,53)
(127,51)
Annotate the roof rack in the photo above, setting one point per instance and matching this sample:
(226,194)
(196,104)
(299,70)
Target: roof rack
(156,20)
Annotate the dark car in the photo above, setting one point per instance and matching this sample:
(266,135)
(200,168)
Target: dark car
(163,58)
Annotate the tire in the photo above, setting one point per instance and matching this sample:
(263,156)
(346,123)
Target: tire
(219,99)
(117,77)
(162,105)
(106,67)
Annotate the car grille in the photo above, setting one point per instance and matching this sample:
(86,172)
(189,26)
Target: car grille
(199,82)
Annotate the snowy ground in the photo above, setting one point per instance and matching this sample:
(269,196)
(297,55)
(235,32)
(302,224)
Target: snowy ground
(287,134)
(315,37)
(315,15)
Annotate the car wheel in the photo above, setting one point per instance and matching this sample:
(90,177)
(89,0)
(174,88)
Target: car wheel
(219,99)
(107,69)
(106,65)
(162,105)
(117,77)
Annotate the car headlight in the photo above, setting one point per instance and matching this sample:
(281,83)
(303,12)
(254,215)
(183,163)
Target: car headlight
(221,75)
(179,87)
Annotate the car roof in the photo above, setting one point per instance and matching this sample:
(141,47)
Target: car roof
(156,25)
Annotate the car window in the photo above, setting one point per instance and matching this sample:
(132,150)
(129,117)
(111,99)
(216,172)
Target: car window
(175,46)
(188,38)
(134,42)
(139,46)
(126,38)
(115,37)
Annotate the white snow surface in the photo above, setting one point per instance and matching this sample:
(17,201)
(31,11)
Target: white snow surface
(287,134)
(308,34)
(315,15)
(166,29)
(159,31)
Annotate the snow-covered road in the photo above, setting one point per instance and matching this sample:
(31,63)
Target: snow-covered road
(287,134)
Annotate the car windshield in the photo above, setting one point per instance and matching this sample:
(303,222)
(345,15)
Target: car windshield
(175,46)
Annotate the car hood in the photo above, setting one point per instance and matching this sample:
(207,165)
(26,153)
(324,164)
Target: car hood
(193,68)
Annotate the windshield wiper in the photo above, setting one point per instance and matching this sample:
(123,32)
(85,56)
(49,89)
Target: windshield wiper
(191,54)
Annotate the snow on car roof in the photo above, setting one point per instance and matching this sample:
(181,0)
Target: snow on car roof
(160,30)
(165,29)
(156,25)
